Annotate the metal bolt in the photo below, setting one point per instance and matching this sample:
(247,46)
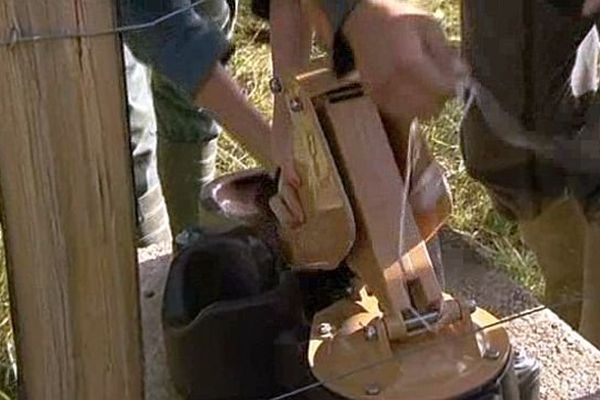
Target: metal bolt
(372,390)
(491,354)
(472,306)
(325,329)
(370,333)
(296,104)
(276,86)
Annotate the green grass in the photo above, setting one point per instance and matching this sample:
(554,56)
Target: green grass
(473,215)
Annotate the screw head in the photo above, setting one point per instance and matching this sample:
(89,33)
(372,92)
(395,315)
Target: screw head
(276,86)
(296,104)
(325,329)
(491,354)
(370,333)
(472,306)
(372,390)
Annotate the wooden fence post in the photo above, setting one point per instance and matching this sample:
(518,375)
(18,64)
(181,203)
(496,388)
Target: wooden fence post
(65,181)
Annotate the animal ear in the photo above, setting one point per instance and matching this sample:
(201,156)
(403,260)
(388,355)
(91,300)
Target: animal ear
(591,7)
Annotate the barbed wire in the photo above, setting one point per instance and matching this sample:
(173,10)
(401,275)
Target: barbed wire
(437,341)
(15,36)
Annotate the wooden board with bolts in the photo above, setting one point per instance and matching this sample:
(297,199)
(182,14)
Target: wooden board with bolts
(394,273)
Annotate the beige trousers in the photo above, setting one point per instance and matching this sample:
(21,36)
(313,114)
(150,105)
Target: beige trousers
(567,248)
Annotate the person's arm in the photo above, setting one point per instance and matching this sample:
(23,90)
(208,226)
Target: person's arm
(222,96)
(188,50)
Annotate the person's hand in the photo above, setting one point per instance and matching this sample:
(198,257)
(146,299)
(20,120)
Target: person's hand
(591,7)
(291,41)
(286,203)
(404,59)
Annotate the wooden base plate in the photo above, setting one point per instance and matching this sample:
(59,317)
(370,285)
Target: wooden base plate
(443,365)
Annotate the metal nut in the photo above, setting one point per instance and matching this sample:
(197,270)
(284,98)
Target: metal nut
(372,390)
(325,329)
(370,333)
(296,104)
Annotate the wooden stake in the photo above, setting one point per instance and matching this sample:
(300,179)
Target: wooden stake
(65,180)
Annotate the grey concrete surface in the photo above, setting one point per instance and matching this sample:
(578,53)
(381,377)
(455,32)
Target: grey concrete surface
(571,365)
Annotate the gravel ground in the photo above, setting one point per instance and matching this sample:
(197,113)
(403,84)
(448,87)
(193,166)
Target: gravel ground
(571,366)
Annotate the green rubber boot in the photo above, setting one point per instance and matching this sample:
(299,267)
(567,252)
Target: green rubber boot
(184,169)
(153,220)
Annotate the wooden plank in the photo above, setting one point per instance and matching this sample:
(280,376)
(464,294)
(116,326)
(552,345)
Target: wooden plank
(385,224)
(65,179)
(328,232)
(321,79)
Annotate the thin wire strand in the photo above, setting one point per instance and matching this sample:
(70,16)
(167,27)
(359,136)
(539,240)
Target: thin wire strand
(441,340)
(16,38)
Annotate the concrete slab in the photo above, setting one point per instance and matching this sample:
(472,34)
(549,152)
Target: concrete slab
(571,365)
(154,263)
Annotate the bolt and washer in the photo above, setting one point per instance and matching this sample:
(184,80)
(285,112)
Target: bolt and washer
(296,104)
(276,86)
(372,390)
(325,329)
(472,306)
(370,333)
(491,354)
